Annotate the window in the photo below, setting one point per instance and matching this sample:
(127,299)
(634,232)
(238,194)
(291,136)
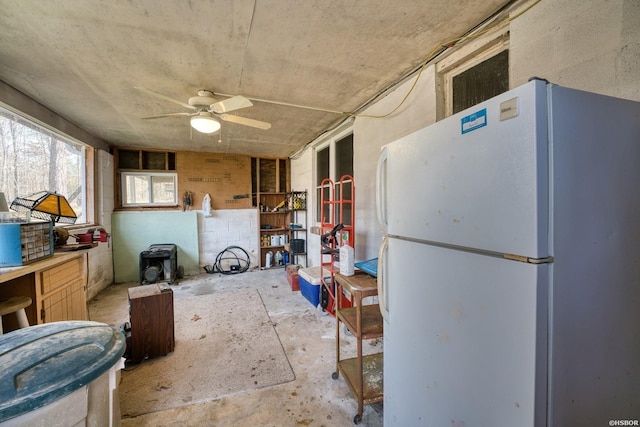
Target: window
(486,80)
(149,189)
(333,160)
(33,159)
(474,73)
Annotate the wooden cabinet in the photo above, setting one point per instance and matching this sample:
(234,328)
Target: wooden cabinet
(152,324)
(63,292)
(57,286)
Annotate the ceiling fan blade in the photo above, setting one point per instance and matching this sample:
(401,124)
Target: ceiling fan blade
(166,98)
(160,116)
(245,121)
(234,103)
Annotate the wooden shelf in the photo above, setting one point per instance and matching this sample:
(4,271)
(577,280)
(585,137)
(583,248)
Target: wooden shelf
(372,381)
(280,219)
(371,321)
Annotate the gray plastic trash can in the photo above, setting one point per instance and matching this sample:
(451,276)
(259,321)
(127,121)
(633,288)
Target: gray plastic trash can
(61,374)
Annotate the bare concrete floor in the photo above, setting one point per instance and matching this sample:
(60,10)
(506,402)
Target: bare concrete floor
(308,339)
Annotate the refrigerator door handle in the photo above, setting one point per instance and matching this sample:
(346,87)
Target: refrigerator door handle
(382,300)
(381,189)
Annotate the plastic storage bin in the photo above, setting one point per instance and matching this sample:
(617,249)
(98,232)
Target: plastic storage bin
(61,374)
(25,242)
(297,246)
(309,281)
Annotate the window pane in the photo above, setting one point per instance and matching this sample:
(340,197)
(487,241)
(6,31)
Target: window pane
(149,189)
(137,189)
(163,189)
(59,162)
(479,83)
(322,165)
(344,157)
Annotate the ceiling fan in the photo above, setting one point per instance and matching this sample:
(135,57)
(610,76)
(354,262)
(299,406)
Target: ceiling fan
(206,109)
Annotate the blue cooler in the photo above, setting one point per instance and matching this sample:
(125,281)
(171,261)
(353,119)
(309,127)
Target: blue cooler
(309,281)
(61,374)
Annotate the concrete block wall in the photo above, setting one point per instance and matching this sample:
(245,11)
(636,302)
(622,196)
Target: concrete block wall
(100,259)
(228,227)
(592,46)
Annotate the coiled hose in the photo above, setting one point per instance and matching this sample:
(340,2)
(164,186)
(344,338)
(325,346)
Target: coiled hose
(243,264)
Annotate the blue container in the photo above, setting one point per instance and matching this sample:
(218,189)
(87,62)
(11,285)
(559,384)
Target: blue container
(43,364)
(25,242)
(310,283)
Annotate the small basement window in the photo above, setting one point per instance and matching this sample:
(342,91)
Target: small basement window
(140,189)
(474,73)
(486,80)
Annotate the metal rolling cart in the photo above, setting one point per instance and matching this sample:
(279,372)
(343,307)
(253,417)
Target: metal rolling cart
(363,374)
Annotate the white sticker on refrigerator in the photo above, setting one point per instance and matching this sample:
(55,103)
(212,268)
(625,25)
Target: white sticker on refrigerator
(509,109)
(474,121)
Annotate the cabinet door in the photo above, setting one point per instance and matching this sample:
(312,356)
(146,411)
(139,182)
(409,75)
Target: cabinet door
(68,303)
(63,292)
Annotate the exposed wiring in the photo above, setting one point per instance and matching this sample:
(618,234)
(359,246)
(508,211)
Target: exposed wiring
(240,266)
(439,49)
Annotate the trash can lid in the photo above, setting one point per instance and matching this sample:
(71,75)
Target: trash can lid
(43,363)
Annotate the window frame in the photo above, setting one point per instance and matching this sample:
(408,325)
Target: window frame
(332,145)
(467,56)
(86,162)
(150,175)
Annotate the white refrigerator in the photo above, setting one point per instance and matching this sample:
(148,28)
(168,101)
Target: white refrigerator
(509,272)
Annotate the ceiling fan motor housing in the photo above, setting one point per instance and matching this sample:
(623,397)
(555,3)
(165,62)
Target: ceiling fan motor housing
(204,99)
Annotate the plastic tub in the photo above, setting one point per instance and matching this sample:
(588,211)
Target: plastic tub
(61,374)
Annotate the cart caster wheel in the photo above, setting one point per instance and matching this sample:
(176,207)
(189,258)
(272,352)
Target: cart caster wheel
(357,419)
(334,376)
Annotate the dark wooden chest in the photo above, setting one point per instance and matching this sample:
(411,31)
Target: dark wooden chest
(152,328)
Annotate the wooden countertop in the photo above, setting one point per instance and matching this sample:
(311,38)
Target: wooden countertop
(9,273)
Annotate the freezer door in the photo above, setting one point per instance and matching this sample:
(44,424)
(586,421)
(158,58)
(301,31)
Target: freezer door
(477,179)
(465,341)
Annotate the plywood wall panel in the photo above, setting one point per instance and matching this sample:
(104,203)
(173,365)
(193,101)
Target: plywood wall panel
(226,177)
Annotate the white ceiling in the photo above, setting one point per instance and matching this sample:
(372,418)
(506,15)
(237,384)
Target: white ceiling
(84,58)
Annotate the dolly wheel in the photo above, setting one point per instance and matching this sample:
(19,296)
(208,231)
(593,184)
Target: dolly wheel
(334,375)
(357,419)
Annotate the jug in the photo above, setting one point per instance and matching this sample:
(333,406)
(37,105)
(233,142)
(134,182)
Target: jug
(269,258)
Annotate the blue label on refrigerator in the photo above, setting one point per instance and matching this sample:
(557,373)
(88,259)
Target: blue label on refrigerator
(474,121)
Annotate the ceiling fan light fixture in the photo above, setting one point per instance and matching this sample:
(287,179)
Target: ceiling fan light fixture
(205,123)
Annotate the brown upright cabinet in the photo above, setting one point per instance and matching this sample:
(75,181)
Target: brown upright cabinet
(152,328)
